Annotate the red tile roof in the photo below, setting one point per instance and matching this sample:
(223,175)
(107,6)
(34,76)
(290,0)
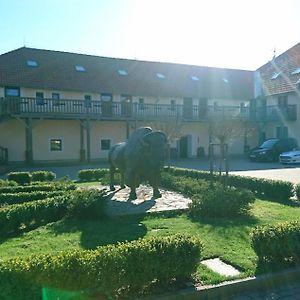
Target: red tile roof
(284,65)
(56,71)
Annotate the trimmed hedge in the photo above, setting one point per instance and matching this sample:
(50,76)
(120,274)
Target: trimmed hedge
(42,176)
(14,198)
(92,174)
(278,243)
(45,187)
(110,269)
(19,177)
(297,191)
(74,204)
(4,183)
(27,177)
(275,190)
(221,201)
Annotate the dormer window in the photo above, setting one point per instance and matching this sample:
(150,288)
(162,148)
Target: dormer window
(80,68)
(297,71)
(225,80)
(122,72)
(275,75)
(195,78)
(160,76)
(31,63)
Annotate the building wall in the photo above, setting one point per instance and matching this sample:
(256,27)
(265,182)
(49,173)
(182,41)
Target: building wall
(12,137)
(45,130)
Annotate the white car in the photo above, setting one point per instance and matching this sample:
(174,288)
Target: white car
(291,157)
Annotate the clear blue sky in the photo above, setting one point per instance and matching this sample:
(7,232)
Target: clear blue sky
(222,33)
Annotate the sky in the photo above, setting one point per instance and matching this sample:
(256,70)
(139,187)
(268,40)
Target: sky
(238,34)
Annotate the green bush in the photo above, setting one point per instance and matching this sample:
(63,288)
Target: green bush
(297,191)
(42,176)
(46,187)
(275,190)
(19,177)
(92,174)
(279,243)
(221,201)
(86,204)
(126,266)
(31,214)
(14,198)
(5,183)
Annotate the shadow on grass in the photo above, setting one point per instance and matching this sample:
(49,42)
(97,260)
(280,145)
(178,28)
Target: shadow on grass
(96,233)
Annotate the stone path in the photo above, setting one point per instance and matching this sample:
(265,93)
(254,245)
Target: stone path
(118,203)
(218,266)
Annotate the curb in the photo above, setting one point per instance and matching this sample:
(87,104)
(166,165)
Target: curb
(227,290)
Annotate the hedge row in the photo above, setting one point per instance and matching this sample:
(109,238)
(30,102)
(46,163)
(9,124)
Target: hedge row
(276,190)
(297,190)
(210,200)
(85,203)
(27,177)
(7,183)
(278,243)
(92,174)
(108,270)
(45,187)
(14,198)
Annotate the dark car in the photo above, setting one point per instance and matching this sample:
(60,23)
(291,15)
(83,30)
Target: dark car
(270,149)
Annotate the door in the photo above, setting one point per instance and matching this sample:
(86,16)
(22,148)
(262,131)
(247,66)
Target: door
(188,108)
(106,104)
(126,105)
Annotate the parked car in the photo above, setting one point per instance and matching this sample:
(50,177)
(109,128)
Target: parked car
(270,149)
(291,157)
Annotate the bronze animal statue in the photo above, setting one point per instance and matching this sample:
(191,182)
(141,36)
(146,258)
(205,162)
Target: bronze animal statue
(140,158)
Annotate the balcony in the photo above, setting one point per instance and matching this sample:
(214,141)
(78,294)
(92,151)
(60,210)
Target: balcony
(98,110)
(274,113)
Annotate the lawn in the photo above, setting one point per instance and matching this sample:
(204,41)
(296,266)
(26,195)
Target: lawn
(224,238)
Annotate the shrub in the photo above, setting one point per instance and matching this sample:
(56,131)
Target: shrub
(46,187)
(275,190)
(42,176)
(21,197)
(278,243)
(86,204)
(19,177)
(110,269)
(297,191)
(4,183)
(220,201)
(92,174)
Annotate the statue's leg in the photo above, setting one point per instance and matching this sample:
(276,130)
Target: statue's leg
(111,178)
(155,184)
(122,181)
(132,195)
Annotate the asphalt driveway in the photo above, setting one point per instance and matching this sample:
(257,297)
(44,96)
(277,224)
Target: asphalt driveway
(237,165)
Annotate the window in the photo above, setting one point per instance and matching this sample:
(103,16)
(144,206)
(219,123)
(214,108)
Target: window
(12,92)
(225,80)
(283,101)
(160,76)
(242,107)
(55,97)
(31,63)
(87,101)
(39,98)
(105,144)
(80,68)
(55,144)
(195,78)
(275,75)
(296,71)
(122,72)
(106,97)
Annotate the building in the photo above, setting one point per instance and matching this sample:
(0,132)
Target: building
(57,106)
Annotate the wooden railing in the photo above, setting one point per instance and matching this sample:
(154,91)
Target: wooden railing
(62,108)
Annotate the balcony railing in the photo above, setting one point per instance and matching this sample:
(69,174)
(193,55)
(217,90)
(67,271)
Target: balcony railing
(66,108)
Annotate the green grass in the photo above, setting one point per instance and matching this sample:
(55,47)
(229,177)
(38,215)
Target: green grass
(224,238)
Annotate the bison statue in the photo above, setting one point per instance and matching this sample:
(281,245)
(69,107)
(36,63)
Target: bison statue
(140,158)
